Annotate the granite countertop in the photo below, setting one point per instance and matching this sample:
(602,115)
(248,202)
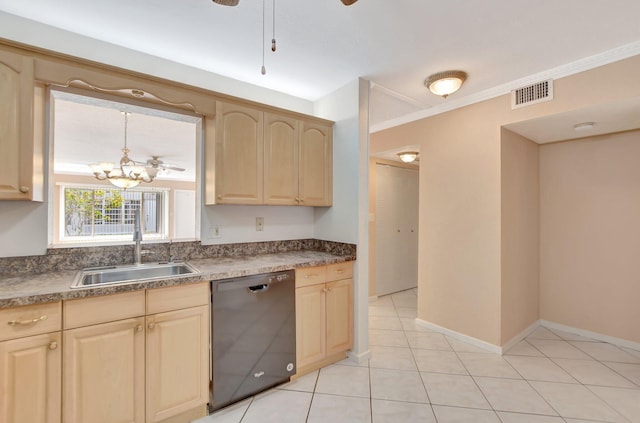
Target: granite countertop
(55,286)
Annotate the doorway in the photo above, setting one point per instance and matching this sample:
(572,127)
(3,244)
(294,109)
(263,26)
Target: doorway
(396,228)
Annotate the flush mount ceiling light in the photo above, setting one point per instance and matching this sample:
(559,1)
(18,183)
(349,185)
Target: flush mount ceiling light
(129,173)
(445,83)
(408,156)
(584,126)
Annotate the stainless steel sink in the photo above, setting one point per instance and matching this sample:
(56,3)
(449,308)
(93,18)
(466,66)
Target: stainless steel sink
(111,275)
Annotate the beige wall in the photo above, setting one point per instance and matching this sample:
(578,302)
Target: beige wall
(459,273)
(590,234)
(461,200)
(520,176)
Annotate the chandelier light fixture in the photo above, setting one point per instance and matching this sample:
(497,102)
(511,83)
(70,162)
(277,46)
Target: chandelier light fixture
(128,173)
(408,156)
(445,83)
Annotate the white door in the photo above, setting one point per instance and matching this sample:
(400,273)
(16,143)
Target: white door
(396,229)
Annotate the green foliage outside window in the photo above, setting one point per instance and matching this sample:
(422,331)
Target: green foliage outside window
(88,206)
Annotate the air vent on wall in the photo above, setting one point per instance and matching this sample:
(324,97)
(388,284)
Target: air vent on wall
(532,94)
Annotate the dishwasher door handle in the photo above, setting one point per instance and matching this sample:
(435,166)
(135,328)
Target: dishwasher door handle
(256,289)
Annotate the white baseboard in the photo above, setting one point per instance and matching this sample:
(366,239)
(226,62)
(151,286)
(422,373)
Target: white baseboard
(593,335)
(519,337)
(460,337)
(359,358)
(522,335)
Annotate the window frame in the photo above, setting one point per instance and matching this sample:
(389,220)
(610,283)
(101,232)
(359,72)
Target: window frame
(93,240)
(53,190)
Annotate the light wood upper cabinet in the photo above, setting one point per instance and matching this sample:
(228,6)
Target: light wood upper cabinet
(239,155)
(104,373)
(316,165)
(280,160)
(177,362)
(30,379)
(268,158)
(21,157)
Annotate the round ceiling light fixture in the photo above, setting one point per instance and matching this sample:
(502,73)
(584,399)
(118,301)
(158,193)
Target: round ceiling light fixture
(445,83)
(408,156)
(584,126)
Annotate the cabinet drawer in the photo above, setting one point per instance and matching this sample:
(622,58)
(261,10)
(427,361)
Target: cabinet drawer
(177,297)
(339,271)
(30,320)
(307,276)
(106,308)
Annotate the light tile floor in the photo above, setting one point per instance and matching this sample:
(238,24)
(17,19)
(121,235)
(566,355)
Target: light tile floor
(417,375)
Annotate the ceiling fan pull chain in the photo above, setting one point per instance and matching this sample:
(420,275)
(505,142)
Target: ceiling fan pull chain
(273,39)
(263,70)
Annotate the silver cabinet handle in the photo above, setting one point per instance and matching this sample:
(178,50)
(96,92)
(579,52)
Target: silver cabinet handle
(139,328)
(151,325)
(24,189)
(53,345)
(258,375)
(27,322)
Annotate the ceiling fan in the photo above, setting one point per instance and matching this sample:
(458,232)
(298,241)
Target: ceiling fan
(235,2)
(155,162)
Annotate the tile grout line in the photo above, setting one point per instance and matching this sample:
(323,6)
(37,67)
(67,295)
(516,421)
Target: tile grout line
(313,395)
(473,379)
(578,382)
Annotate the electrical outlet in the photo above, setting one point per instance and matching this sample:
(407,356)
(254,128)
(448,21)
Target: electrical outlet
(259,224)
(214,232)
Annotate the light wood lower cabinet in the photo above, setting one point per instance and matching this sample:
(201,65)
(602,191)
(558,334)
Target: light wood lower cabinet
(311,325)
(324,315)
(138,368)
(339,316)
(104,373)
(30,379)
(177,362)
(30,363)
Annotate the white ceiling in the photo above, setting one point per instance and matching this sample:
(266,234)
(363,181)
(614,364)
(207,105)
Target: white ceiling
(89,130)
(606,118)
(323,45)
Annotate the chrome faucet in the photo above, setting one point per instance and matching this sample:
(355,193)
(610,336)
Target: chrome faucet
(137,237)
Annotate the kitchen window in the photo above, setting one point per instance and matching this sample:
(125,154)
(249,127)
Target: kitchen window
(89,128)
(96,214)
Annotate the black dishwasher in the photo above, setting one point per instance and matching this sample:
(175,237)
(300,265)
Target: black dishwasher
(253,335)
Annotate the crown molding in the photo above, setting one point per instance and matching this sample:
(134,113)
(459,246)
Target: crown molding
(587,63)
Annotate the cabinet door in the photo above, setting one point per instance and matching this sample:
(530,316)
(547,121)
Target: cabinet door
(339,316)
(280,160)
(30,379)
(16,127)
(310,325)
(316,165)
(177,362)
(239,155)
(104,373)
